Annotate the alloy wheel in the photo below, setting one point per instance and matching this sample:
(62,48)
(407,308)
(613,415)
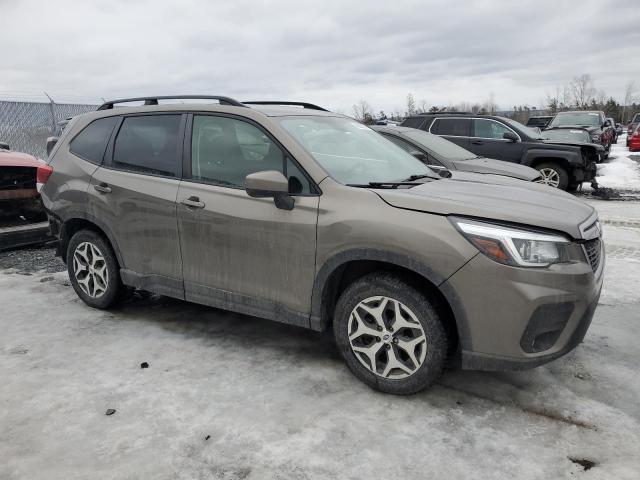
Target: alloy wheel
(386,337)
(549,176)
(90,269)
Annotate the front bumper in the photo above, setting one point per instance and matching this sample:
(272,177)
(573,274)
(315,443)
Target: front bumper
(518,318)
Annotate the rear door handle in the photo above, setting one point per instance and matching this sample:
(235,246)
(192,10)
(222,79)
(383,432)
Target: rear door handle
(102,188)
(193,202)
(478,142)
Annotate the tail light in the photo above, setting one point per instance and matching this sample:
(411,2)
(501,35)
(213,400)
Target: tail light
(43,173)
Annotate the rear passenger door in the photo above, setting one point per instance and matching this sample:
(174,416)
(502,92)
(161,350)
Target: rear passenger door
(454,129)
(134,194)
(488,141)
(243,253)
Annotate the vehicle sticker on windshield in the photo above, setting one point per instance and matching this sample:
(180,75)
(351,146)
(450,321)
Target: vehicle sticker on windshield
(575,131)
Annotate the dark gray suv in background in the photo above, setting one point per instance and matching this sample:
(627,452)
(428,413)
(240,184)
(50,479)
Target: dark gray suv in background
(560,165)
(303,216)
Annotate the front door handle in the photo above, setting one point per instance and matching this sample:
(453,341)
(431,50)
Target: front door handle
(192,202)
(102,187)
(477,142)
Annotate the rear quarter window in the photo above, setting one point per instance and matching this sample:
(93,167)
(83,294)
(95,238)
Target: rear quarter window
(413,122)
(91,143)
(454,127)
(148,144)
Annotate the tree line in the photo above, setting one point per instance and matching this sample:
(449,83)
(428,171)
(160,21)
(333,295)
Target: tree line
(578,94)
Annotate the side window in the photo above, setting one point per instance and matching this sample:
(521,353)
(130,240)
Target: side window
(489,129)
(406,146)
(91,143)
(455,127)
(225,150)
(148,144)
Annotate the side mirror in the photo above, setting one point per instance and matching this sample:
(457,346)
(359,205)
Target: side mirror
(4,146)
(51,142)
(270,183)
(510,136)
(419,155)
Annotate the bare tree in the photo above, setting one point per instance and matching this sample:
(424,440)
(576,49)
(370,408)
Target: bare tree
(424,106)
(411,104)
(630,95)
(362,111)
(582,90)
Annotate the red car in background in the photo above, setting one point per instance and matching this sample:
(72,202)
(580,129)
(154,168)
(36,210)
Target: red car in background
(635,121)
(18,192)
(634,139)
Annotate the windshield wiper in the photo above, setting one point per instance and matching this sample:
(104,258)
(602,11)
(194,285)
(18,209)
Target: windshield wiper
(382,184)
(419,177)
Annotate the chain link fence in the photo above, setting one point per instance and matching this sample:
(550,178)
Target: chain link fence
(25,126)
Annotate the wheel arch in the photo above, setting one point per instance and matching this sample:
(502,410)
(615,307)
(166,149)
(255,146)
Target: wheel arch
(344,268)
(81,221)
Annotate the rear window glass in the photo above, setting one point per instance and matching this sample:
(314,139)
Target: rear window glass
(457,127)
(91,142)
(148,144)
(413,122)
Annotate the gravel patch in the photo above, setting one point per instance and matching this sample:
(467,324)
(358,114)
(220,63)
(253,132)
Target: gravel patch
(31,260)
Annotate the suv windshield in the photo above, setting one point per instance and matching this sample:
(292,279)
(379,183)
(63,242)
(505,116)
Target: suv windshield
(587,119)
(567,135)
(351,152)
(440,146)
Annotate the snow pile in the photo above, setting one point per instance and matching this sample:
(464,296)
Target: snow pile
(621,172)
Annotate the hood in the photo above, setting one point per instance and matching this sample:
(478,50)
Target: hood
(496,167)
(588,128)
(495,197)
(17,159)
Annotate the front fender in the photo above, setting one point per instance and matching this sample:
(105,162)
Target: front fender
(572,157)
(319,322)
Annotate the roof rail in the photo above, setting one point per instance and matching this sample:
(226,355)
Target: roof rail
(154,100)
(310,106)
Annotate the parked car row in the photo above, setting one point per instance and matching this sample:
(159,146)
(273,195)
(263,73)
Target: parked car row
(296,214)
(565,164)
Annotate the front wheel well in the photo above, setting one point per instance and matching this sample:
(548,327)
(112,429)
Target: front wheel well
(351,271)
(70,228)
(562,162)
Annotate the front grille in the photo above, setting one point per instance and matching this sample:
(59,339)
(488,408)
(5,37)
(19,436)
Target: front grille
(593,249)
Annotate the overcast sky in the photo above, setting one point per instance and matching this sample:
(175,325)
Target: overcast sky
(333,53)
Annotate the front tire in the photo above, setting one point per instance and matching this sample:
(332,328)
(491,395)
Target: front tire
(553,175)
(389,334)
(93,269)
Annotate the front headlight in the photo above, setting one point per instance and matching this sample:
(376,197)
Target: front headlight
(596,137)
(513,246)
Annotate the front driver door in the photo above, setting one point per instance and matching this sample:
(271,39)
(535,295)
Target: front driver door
(488,141)
(242,253)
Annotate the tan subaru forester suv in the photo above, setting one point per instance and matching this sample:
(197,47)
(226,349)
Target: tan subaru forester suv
(286,211)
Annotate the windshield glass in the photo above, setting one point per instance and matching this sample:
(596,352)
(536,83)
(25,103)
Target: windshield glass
(351,152)
(567,135)
(587,119)
(439,145)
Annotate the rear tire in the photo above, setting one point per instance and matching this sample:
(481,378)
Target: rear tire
(401,347)
(553,175)
(93,270)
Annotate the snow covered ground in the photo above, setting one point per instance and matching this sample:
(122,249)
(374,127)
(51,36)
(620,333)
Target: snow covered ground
(232,397)
(622,170)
